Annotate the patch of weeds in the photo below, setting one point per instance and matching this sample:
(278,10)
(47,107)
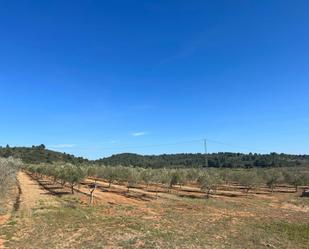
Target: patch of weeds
(12,223)
(296,232)
(9,230)
(271,234)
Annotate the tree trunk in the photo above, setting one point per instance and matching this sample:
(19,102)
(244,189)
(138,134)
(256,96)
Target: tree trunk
(72,189)
(208,193)
(272,189)
(91,198)
(91,195)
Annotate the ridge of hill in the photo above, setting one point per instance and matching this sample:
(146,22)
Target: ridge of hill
(39,154)
(221,159)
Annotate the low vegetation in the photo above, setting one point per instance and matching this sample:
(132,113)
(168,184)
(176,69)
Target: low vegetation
(208,180)
(8,170)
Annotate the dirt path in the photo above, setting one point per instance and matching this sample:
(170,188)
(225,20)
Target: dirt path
(32,194)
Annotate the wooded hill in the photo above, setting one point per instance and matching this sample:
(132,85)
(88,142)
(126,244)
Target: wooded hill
(224,159)
(39,154)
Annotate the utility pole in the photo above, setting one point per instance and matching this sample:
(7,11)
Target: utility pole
(205,149)
(274,159)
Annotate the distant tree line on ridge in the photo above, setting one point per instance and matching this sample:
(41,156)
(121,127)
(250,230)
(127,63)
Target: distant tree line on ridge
(218,160)
(39,154)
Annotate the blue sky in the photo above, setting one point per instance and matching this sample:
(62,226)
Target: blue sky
(94,78)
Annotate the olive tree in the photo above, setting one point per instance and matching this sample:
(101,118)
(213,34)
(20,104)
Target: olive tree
(132,178)
(182,177)
(226,175)
(249,179)
(72,175)
(305,180)
(208,182)
(192,175)
(273,177)
(146,175)
(128,175)
(294,178)
(157,178)
(93,172)
(174,178)
(109,174)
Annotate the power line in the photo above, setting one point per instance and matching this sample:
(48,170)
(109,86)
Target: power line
(205,148)
(205,141)
(148,145)
(238,147)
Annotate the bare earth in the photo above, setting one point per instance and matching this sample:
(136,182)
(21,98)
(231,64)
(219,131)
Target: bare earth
(137,219)
(31,196)
(32,193)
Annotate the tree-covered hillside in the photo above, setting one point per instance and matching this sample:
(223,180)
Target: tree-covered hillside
(39,154)
(224,159)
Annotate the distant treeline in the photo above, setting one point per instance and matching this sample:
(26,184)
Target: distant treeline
(39,154)
(224,159)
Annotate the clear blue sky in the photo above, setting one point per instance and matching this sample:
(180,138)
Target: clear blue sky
(93,77)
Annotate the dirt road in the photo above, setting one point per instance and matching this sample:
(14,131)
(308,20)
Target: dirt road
(32,194)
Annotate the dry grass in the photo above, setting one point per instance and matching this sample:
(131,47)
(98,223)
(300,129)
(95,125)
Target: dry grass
(278,221)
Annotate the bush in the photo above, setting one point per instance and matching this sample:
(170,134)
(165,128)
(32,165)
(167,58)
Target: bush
(8,170)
